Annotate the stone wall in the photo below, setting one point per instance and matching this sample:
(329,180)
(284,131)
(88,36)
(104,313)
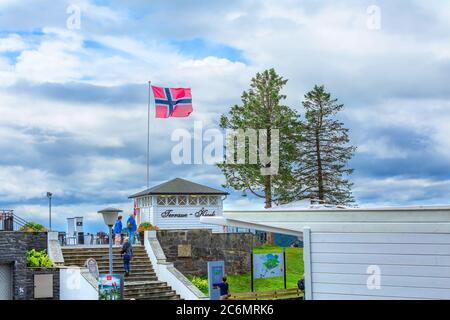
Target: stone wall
(190,250)
(13,245)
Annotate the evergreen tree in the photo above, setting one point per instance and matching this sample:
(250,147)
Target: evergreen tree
(325,151)
(262,108)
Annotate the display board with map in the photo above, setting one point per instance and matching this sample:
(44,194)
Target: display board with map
(268,265)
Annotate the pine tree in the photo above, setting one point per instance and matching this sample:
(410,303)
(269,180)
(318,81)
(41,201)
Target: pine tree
(324,152)
(262,108)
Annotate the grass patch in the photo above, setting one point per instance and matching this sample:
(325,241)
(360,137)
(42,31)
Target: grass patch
(294,271)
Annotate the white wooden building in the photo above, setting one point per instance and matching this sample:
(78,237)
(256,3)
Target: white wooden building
(364,253)
(179,204)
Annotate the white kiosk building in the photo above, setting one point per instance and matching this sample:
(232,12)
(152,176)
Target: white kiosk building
(179,204)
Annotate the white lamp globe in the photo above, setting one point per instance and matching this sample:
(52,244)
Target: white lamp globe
(110,215)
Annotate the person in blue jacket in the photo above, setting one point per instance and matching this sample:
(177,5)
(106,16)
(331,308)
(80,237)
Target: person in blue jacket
(224,289)
(131,227)
(118,231)
(127,254)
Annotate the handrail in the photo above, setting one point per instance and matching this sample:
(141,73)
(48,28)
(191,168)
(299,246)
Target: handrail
(20,221)
(9,221)
(289,293)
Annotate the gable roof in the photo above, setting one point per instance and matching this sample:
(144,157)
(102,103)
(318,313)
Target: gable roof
(179,186)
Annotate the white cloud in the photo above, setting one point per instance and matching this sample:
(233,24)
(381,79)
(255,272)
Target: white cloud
(18,183)
(54,60)
(13,42)
(100,14)
(381,149)
(401,190)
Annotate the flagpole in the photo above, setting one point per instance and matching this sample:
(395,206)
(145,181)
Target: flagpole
(148,134)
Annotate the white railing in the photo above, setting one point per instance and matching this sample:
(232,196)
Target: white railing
(166,272)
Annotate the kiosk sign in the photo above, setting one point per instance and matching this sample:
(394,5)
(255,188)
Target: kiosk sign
(216,271)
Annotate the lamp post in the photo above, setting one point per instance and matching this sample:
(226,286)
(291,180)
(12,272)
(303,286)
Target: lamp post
(110,217)
(49,196)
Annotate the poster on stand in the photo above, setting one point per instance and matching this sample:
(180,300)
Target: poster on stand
(110,287)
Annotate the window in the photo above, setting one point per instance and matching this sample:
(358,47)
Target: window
(147,201)
(171,200)
(193,200)
(161,201)
(203,200)
(182,200)
(213,200)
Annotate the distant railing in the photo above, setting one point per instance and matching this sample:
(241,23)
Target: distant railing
(9,221)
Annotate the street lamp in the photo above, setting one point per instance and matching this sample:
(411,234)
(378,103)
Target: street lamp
(110,217)
(49,196)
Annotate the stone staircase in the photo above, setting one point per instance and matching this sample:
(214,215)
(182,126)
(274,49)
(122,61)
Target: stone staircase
(141,284)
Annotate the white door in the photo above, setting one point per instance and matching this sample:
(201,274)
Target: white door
(5,282)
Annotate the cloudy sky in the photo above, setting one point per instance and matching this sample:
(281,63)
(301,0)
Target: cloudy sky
(73,95)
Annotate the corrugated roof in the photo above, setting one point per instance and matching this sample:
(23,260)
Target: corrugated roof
(178,186)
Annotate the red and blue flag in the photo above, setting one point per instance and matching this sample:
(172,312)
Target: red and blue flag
(172,102)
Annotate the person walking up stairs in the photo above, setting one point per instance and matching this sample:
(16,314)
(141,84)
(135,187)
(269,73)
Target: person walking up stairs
(141,283)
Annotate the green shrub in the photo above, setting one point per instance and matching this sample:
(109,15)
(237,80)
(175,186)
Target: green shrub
(33,227)
(38,259)
(200,283)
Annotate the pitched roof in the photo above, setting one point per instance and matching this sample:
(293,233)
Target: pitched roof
(178,186)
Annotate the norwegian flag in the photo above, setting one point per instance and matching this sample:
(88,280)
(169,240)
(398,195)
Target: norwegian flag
(172,102)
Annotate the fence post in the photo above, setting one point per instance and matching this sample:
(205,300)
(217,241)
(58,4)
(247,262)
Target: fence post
(307,263)
(284,262)
(251,270)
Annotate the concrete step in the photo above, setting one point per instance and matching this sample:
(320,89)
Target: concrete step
(99,247)
(142,284)
(152,295)
(170,296)
(94,250)
(98,251)
(115,264)
(147,290)
(106,259)
(103,255)
(137,261)
(135,271)
(120,268)
(133,274)
(135,278)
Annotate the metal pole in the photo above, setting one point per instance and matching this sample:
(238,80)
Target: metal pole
(50,212)
(148,134)
(251,271)
(110,251)
(284,262)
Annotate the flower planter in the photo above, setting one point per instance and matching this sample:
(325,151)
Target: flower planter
(146,226)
